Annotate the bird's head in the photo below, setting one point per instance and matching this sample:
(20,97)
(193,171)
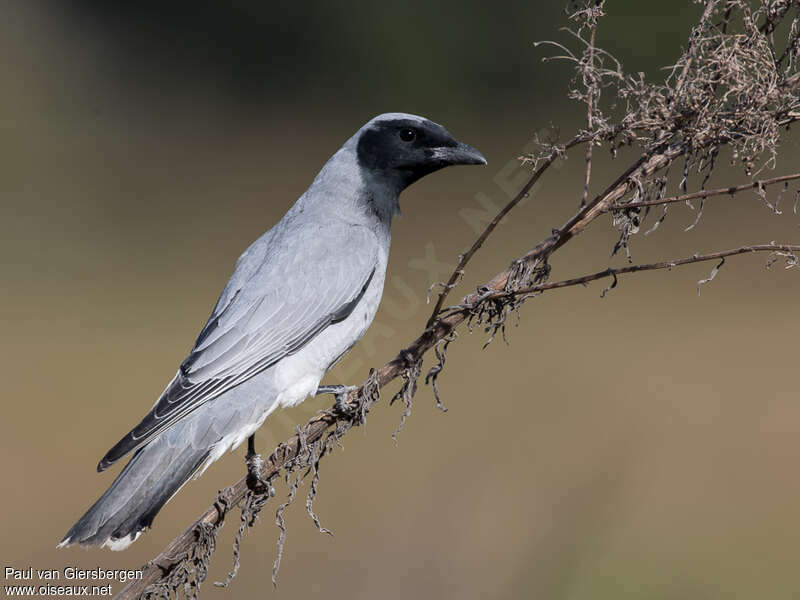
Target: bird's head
(403,148)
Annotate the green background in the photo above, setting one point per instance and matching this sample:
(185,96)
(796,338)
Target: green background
(643,445)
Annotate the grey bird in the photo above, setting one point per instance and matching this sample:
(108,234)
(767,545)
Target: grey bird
(299,298)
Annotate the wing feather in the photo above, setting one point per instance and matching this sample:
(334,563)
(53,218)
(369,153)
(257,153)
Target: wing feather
(304,284)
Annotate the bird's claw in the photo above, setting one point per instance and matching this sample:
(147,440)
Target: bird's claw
(341,409)
(340,393)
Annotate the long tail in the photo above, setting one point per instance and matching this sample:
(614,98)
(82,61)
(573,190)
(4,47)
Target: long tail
(154,474)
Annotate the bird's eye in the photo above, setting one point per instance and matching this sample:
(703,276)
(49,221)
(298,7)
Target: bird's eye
(407,135)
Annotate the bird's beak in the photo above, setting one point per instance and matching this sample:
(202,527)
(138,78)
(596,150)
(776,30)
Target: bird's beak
(460,154)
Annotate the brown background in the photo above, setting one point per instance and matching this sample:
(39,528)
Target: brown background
(643,445)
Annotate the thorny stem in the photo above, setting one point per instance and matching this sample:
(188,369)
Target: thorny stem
(652,161)
(661,155)
(705,193)
(591,86)
(666,264)
(690,52)
(465,258)
(362,400)
(663,151)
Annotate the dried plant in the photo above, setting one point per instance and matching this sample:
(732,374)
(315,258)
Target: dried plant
(732,95)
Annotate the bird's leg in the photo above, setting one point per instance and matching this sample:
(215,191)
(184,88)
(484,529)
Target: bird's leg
(340,392)
(251,446)
(254,463)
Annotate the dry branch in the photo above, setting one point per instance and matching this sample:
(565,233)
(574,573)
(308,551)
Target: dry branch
(731,88)
(463,259)
(362,399)
(702,194)
(785,250)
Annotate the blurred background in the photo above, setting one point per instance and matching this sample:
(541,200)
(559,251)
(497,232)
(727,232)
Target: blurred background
(642,445)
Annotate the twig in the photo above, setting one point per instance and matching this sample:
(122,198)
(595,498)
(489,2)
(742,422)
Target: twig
(666,264)
(591,86)
(465,258)
(690,51)
(705,193)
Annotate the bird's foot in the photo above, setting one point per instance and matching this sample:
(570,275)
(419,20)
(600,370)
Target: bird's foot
(254,463)
(254,481)
(340,392)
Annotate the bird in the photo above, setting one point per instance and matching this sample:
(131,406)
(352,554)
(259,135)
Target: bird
(299,299)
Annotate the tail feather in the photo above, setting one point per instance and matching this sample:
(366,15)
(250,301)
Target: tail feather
(153,475)
(157,470)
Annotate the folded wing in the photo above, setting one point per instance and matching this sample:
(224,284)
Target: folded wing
(280,297)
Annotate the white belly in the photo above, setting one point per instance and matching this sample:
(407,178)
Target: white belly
(296,377)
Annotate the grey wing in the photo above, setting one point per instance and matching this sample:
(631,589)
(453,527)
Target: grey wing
(308,281)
